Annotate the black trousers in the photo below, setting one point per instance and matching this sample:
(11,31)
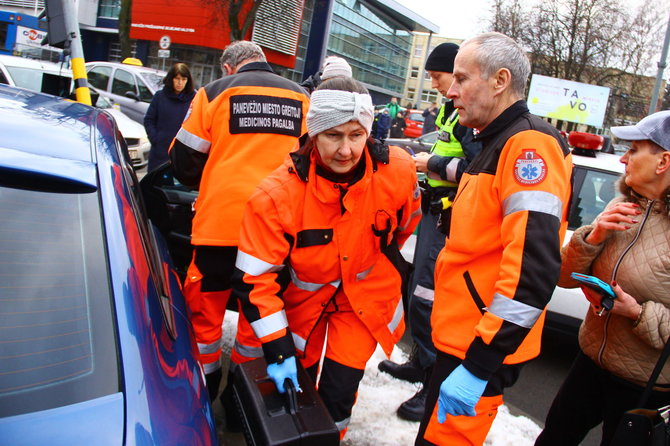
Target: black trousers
(590,395)
(429,243)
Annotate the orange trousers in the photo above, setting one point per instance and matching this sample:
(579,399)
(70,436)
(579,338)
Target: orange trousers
(207,290)
(462,430)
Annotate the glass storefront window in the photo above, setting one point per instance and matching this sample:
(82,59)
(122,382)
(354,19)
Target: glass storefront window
(377,48)
(109,8)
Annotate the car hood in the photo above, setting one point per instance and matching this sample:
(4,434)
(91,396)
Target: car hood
(99,421)
(127,127)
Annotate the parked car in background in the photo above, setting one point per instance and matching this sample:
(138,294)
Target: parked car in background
(595,175)
(130,86)
(414,121)
(415,145)
(96,344)
(133,132)
(56,79)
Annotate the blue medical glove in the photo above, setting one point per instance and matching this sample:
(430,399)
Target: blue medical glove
(459,394)
(279,372)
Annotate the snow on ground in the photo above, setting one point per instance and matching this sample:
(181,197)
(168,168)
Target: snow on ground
(374,421)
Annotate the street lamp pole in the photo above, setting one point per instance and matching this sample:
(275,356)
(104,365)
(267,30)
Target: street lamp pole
(659,73)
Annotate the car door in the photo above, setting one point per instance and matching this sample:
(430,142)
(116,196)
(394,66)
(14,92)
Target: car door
(424,143)
(99,77)
(126,93)
(169,205)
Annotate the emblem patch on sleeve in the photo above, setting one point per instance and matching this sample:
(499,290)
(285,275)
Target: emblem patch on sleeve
(529,168)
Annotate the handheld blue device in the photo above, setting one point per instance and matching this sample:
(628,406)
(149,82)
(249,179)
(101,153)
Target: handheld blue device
(595,284)
(601,287)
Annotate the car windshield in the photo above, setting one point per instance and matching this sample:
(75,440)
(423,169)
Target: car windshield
(416,117)
(26,77)
(596,189)
(429,138)
(153,80)
(56,327)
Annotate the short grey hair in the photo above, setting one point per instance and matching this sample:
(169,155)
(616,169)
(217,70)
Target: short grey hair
(495,51)
(241,50)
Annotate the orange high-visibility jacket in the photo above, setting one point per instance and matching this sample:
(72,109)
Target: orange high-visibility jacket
(501,261)
(321,236)
(239,129)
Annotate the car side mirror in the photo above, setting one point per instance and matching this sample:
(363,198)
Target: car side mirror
(132,95)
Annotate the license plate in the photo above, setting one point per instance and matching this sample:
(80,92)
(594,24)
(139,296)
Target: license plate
(132,153)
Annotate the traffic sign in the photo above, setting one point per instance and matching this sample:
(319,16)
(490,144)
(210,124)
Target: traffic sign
(164,53)
(164,43)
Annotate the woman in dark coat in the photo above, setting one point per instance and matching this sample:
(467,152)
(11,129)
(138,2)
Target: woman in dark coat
(398,126)
(167,111)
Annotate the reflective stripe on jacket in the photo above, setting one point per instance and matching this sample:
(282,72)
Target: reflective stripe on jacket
(319,236)
(501,261)
(447,144)
(238,130)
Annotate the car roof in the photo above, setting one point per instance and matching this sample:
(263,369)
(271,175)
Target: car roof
(66,122)
(63,157)
(42,65)
(602,161)
(129,67)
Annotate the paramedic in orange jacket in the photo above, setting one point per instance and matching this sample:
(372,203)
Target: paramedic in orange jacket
(316,249)
(239,129)
(501,260)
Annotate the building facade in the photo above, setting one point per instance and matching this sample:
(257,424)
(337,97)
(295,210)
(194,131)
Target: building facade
(376,39)
(418,92)
(374,36)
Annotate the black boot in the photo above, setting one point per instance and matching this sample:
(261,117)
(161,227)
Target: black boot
(413,408)
(407,371)
(213,381)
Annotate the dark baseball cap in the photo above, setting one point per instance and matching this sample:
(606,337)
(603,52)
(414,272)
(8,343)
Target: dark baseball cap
(655,128)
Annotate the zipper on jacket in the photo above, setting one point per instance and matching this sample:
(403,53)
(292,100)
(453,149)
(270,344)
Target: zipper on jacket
(343,192)
(331,299)
(650,206)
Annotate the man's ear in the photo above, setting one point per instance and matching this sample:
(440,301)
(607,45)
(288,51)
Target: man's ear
(229,69)
(502,80)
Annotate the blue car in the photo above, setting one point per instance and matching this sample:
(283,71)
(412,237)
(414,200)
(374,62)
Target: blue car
(95,344)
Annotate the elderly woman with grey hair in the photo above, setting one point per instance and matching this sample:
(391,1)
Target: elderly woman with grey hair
(628,245)
(318,262)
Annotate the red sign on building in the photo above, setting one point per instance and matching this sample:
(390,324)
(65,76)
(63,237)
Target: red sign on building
(192,22)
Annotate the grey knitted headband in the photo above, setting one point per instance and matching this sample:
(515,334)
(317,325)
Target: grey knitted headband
(330,108)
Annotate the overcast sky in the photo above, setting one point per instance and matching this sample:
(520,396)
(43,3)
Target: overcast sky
(456,18)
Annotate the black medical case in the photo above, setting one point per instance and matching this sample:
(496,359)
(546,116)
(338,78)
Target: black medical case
(274,419)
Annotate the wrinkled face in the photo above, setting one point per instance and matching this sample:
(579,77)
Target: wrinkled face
(341,147)
(474,97)
(641,161)
(179,83)
(441,81)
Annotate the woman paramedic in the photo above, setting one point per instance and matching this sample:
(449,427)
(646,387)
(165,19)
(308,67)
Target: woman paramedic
(315,246)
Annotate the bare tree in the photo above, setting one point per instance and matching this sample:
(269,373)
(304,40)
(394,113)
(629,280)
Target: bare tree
(235,14)
(508,18)
(124,29)
(239,30)
(598,42)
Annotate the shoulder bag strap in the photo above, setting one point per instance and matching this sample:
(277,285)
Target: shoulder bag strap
(654,375)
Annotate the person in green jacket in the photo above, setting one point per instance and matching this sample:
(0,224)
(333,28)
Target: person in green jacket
(393,107)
